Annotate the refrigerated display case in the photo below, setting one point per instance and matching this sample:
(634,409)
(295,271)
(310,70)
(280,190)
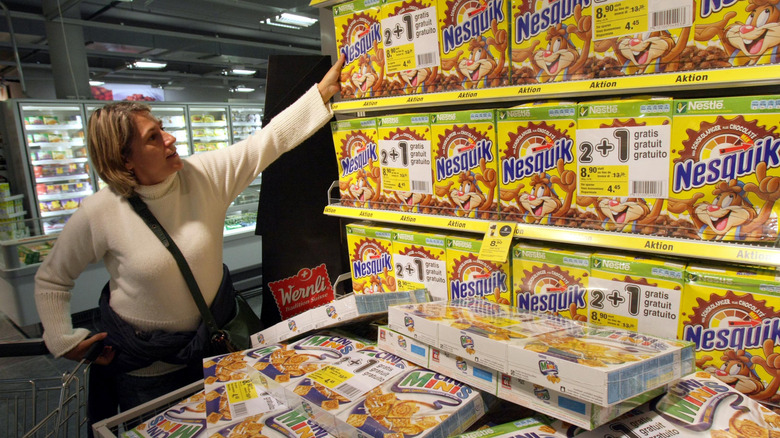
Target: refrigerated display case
(244,121)
(208,128)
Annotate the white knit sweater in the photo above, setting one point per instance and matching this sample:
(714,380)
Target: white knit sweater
(147,288)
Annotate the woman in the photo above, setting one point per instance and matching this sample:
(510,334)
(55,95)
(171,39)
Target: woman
(134,155)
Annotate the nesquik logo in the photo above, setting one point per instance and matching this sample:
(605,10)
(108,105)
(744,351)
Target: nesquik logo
(360,34)
(469,19)
(474,278)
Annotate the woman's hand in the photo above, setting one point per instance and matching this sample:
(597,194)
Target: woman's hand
(329,85)
(79,351)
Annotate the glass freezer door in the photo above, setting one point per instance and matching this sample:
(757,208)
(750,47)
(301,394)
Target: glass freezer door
(208,128)
(245,120)
(54,137)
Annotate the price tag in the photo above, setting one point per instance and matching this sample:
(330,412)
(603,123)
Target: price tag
(330,376)
(411,41)
(244,400)
(624,161)
(615,18)
(649,308)
(497,241)
(617,321)
(412,273)
(406,166)
(355,375)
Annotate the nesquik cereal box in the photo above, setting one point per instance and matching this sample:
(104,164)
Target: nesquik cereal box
(465,163)
(411,46)
(474,43)
(371,258)
(636,293)
(725,168)
(551,41)
(405,162)
(419,402)
(623,149)
(359,39)
(537,163)
(470,277)
(732,315)
(420,260)
(634,39)
(551,280)
(698,406)
(360,180)
(734,33)
(564,407)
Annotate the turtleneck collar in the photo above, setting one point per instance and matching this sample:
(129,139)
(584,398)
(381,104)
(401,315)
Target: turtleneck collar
(159,190)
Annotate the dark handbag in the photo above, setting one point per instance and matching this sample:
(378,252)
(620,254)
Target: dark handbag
(233,335)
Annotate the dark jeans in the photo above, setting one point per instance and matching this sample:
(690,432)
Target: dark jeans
(111,393)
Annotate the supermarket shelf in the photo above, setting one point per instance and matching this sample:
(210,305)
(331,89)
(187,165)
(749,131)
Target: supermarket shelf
(57,144)
(700,79)
(220,124)
(238,231)
(686,248)
(61,178)
(58,213)
(69,127)
(207,139)
(255,124)
(63,161)
(54,197)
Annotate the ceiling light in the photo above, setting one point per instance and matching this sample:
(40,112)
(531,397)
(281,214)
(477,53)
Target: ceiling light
(243,71)
(243,89)
(148,63)
(273,23)
(295,19)
(94,83)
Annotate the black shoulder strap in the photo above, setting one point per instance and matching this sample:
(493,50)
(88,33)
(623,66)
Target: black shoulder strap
(142,209)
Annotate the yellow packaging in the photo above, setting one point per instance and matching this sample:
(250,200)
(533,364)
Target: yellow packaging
(635,293)
(732,33)
(420,261)
(469,277)
(411,46)
(537,163)
(474,43)
(726,168)
(633,38)
(465,166)
(551,280)
(360,180)
(370,258)
(733,317)
(623,153)
(551,41)
(405,162)
(359,39)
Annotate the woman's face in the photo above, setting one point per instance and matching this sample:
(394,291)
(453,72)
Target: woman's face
(153,154)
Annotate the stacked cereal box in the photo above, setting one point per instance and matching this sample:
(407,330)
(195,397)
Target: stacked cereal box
(465,163)
(359,39)
(370,258)
(405,162)
(420,260)
(474,43)
(360,181)
(726,168)
(411,46)
(537,164)
(551,280)
(623,150)
(731,315)
(636,293)
(551,41)
(188,418)
(470,277)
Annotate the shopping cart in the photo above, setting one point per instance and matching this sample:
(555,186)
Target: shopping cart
(44,407)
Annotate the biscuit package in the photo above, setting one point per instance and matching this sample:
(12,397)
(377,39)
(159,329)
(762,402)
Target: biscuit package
(551,41)
(564,407)
(734,34)
(470,277)
(360,180)
(537,163)
(420,260)
(623,149)
(733,318)
(726,168)
(411,46)
(636,293)
(359,39)
(187,418)
(465,164)
(632,39)
(474,43)
(551,280)
(370,258)
(405,162)
(698,406)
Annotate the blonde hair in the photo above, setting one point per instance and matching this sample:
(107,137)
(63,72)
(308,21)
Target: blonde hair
(110,133)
